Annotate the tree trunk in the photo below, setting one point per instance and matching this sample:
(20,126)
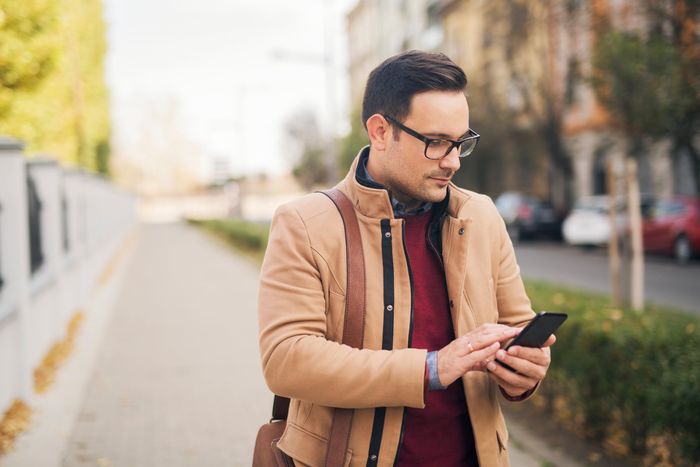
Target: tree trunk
(635,223)
(613,251)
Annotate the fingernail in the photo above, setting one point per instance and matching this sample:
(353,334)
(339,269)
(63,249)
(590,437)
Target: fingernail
(513,351)
(491,366)
(501,355)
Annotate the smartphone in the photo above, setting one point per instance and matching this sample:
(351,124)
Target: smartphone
(538,330)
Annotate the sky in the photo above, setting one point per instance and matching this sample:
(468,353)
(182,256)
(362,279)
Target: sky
(216,64)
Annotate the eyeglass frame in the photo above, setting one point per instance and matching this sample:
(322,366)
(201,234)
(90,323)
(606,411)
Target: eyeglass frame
(454,143)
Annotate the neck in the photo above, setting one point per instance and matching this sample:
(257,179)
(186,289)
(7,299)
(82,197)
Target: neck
(375,171)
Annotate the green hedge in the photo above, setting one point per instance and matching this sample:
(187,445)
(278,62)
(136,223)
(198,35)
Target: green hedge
(247,236)
(629,379)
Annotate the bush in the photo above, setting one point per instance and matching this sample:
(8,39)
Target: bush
(247,236)
(625,378)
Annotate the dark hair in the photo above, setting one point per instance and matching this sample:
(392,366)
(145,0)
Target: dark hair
(391,86)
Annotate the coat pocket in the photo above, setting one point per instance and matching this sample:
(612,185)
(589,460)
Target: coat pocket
(306,448)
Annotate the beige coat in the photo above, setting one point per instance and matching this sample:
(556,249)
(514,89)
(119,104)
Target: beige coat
(301,309)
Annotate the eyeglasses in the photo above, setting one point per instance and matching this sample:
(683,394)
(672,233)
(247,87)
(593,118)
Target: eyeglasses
(437,148)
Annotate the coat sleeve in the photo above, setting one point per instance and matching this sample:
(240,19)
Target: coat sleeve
(298,361)
(514,307)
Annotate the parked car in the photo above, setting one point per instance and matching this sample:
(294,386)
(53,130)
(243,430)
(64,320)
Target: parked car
(588,224)
(674,228)
(526,216)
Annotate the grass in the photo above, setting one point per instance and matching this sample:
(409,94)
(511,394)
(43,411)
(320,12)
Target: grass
(247,237)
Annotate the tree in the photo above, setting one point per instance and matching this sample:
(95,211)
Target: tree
(52,89)
(644,84)
(309,150)
(28,47)
(353,141)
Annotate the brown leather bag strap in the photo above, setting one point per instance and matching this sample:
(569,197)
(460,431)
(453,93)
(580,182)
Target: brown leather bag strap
(354,327)
(280,408)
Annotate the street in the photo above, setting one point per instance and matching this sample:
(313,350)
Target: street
(666,282)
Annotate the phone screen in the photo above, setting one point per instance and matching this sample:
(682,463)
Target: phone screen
(536,333)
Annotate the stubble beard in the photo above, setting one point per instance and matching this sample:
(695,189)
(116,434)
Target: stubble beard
(416,195)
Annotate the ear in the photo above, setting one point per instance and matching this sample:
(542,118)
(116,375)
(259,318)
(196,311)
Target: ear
(379,131)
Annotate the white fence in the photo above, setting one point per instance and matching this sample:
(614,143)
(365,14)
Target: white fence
(58,230)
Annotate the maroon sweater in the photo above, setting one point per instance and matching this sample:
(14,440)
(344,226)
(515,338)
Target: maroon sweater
(440,434)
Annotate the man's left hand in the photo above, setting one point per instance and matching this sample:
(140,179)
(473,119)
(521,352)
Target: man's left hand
(531,365)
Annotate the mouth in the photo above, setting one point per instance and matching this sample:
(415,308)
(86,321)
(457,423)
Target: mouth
(441,181)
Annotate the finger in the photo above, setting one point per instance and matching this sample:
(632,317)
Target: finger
(494,334)
(525,367)
(535,355)
(550,341)
(477,356)
(510,389)
(469,343)
(511,378)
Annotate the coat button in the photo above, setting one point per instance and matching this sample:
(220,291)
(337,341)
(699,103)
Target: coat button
(387,235)
(373,457)
(389,308)
(452,304)
(461,231)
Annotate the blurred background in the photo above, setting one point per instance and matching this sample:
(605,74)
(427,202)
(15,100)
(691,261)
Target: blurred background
(144,147)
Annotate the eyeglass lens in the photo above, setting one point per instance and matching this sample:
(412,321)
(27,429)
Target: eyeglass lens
(437,149)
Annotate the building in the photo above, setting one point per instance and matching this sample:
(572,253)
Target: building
(378,29)
(530,67)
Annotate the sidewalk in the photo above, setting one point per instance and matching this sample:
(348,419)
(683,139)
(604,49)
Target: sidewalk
(177,378)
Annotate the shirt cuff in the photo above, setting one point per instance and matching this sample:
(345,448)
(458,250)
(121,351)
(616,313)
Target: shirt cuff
(433,379)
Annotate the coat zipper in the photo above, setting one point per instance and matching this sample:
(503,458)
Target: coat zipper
(410,325)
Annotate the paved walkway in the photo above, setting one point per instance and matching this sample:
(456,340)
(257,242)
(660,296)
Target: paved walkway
(177,379)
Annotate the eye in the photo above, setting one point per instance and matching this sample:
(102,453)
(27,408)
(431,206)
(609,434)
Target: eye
(439,143)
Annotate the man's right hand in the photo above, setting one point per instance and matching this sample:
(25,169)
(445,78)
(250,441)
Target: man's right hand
(472,351)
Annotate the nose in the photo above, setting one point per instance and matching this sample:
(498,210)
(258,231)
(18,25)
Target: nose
(451,161)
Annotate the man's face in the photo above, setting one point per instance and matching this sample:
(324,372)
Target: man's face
(411,177)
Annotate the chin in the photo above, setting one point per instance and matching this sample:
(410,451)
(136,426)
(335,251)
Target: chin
(434,196)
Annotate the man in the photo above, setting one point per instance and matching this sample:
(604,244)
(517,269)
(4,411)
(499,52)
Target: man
(440,271)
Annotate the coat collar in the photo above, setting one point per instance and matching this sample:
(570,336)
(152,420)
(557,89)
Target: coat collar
(372,199)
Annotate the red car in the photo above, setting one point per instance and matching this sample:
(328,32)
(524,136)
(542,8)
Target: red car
(674,227)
